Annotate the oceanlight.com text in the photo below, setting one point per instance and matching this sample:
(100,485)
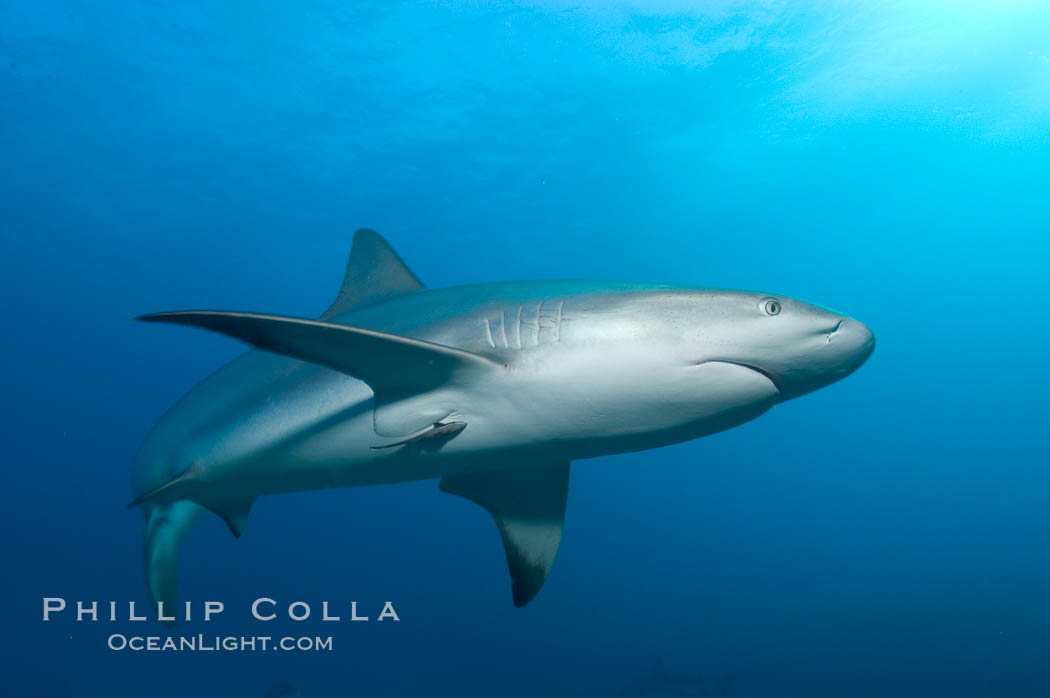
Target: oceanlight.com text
(217,643)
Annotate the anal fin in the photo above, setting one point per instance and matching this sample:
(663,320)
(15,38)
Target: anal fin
(528,505)
(233,511)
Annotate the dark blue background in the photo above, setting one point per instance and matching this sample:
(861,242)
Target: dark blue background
(885,536)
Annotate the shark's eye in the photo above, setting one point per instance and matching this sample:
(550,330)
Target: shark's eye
(771,306)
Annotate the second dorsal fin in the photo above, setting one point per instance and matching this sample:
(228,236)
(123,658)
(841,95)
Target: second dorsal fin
(373,272)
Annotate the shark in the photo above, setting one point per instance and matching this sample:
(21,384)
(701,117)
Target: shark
(282,689)
(493,389)
(660,684)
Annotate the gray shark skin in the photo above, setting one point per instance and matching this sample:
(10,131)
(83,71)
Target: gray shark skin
(493,388)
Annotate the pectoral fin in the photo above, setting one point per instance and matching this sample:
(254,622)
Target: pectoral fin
(389,363)
(528,505)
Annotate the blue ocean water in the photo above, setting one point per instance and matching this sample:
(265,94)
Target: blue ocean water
(886,536)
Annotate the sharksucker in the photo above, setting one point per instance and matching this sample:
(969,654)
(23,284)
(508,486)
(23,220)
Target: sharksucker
(433,437)
(492,388)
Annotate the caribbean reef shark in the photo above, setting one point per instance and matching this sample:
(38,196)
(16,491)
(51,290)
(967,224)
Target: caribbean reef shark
(282,689)
(493,388)
(660,684)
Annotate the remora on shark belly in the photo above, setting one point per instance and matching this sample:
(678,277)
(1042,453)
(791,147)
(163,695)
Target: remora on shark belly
(493,388)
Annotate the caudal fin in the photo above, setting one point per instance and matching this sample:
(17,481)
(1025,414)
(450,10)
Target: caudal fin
(165,528)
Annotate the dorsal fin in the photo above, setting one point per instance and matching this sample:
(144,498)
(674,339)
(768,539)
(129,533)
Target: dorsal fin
(373,272)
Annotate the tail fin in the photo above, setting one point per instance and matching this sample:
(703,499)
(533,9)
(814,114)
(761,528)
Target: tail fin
(165,528)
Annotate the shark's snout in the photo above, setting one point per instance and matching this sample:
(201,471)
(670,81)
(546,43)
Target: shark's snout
(853,342)
(827,353)
(845,347)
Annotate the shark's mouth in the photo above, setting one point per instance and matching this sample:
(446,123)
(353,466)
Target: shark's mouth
(768,375)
